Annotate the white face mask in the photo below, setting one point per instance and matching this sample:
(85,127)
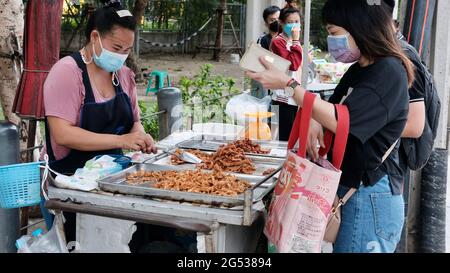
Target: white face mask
(108,60)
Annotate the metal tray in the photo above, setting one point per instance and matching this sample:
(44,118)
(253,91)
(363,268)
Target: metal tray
(278,149)
(261,163)
(117,183)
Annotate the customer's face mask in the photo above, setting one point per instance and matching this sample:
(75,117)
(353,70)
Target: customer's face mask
(108,60)
(287,28)
(274,26)
(339,47)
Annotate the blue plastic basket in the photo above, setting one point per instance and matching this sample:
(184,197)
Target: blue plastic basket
(20,185)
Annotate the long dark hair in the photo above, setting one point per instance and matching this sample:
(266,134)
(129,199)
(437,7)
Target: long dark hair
(370,26)
(105,18)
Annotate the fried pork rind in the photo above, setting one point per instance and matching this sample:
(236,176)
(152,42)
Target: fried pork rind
(216,183)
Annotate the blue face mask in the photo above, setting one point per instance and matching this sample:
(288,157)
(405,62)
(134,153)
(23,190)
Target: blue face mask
(339,48)
(109,61)
(287,28)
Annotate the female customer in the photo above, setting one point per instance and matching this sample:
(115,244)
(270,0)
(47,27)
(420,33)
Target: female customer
(375,90)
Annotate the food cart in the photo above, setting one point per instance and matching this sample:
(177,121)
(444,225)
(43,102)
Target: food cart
(106,217)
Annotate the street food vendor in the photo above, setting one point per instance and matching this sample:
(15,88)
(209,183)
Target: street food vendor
(90,97)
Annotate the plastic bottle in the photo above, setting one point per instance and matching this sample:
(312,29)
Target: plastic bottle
(22,244)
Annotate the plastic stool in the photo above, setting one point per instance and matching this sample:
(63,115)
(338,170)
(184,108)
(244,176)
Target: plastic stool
(160,77)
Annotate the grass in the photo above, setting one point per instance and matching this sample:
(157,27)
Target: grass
(2,117)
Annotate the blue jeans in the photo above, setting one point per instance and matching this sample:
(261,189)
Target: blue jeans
(372,220)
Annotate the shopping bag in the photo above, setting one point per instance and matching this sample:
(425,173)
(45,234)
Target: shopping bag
(305,190)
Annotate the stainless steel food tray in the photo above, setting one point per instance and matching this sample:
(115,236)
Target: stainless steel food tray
(278,149)
(117,183)
(262,163)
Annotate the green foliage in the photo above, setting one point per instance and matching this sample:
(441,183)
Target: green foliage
(149,119)
(203,95)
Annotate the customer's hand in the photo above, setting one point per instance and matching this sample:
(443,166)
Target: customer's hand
(315,136)
(271,78)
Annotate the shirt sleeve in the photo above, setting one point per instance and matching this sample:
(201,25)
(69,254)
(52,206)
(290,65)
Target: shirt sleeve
(416,91)
(62,93)
(295,56)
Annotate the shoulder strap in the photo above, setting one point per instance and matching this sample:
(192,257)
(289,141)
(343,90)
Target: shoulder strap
(389,151)
(89,96)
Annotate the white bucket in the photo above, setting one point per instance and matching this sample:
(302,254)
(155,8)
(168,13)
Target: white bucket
(234,58)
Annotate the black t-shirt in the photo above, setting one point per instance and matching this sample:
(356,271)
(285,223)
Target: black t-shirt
(377,99)
(265,41)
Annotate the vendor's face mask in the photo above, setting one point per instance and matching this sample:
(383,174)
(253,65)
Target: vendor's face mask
(287,28)
(108,60)
(339,48)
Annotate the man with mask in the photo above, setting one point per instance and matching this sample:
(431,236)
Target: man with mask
(270,16)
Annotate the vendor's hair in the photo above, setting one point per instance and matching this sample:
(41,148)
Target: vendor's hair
(106,18)
(269,11)
(284,14)
(370,26)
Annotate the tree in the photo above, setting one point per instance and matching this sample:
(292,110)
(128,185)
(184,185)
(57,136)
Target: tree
(221,10)
(11,40)
(138,13)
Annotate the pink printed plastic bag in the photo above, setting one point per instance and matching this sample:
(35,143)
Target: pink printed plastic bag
(305,191)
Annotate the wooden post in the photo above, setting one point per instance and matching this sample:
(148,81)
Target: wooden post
(221,10)
(25,212)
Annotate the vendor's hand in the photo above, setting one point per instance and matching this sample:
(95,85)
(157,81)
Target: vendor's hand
(315,135)
(138,141)
(296,33)
(151,147)
(271,78)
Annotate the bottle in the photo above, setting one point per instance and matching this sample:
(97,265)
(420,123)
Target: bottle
(22,244)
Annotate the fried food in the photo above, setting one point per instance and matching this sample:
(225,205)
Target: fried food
(250,147)
(202,155)
(268,171)
(197,181)
(229,158)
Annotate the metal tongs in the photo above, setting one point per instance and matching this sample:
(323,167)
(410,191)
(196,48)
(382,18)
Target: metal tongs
(186,157)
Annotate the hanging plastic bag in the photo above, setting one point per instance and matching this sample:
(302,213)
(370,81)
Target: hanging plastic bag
(50,242)
(245,103)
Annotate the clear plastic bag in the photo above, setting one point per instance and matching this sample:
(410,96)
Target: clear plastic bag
(241,104)
(50,242)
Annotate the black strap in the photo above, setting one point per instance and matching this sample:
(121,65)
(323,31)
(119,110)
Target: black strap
(89,94)
(48,142)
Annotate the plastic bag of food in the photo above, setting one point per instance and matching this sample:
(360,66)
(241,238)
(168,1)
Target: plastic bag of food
(241,104)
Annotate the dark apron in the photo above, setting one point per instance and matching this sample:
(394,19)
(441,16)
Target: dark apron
(111,117)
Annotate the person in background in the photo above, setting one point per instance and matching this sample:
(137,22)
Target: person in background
(270,16)
(416,117)
(287,45)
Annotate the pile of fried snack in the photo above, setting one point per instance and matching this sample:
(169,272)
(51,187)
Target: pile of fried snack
(196,181)
(228,158)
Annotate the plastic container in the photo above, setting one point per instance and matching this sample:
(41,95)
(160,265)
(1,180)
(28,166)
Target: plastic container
(219,131)
(20,185)
(122,160)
